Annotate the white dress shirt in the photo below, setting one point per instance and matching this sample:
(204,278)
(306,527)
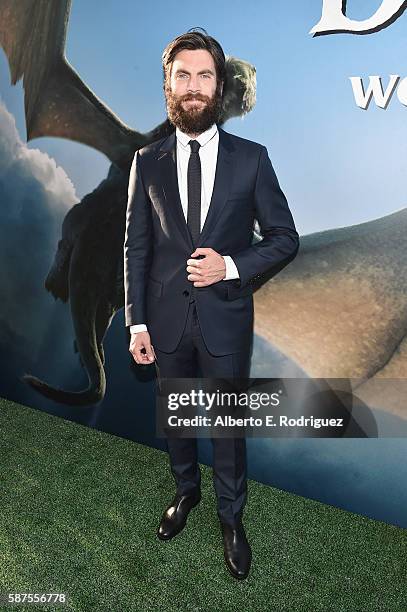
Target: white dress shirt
(208,154)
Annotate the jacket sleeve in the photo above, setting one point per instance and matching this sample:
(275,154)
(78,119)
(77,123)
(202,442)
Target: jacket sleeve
(280,241)
(137,246)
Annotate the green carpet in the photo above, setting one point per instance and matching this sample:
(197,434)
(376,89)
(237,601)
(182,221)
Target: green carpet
(79,510)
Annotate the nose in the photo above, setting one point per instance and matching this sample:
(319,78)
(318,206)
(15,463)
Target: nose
(193,84)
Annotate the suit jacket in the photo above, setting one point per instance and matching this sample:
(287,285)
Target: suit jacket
(158,243)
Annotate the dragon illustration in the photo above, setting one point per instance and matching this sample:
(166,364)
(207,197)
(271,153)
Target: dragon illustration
(88,265)
(340,308)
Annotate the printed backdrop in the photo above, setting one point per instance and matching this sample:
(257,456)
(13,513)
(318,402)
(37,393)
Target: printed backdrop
(331,110)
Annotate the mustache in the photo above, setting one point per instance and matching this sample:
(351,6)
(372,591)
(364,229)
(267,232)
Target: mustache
(189,97)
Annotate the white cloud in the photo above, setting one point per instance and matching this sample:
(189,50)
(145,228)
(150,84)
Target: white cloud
(35,195)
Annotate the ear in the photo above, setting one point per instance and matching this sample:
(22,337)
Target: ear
(221,87)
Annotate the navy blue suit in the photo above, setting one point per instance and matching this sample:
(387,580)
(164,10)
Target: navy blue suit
(158,243)
(210,334)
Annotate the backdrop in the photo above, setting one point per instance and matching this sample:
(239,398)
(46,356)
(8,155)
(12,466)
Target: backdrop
(331,107)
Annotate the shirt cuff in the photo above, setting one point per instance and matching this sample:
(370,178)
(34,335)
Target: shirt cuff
(138,328)
(231,269)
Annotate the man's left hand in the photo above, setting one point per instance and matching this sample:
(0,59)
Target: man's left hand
(206,271)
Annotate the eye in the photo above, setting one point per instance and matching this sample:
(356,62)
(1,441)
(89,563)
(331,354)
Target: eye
(181,75)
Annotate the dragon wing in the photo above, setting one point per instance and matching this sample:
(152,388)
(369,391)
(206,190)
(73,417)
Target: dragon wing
(57,102)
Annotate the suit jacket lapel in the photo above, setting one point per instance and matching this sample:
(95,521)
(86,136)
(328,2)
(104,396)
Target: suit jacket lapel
(222,184)
(167,159)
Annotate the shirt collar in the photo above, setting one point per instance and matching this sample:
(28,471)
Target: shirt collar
(202,138)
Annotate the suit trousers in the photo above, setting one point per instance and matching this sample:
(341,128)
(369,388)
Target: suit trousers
(192,359)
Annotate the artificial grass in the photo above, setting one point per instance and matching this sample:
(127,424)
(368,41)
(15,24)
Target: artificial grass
(79,510)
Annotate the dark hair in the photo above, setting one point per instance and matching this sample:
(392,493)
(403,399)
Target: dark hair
(195,40)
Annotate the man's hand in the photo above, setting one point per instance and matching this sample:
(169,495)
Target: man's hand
(206,271)
(138,342)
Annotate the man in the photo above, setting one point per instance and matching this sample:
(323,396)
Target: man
(190,266)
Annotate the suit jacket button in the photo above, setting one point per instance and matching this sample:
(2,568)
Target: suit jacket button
(185,292)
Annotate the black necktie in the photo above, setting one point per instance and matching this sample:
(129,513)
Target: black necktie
(194,192)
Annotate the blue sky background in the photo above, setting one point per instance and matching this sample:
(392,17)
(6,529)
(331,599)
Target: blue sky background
(337,164)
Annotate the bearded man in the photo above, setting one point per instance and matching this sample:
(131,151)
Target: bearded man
(190,266)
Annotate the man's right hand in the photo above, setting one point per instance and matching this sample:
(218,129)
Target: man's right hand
(138,343)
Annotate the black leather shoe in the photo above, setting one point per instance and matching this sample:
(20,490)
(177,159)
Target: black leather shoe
(237,551)
(175,517)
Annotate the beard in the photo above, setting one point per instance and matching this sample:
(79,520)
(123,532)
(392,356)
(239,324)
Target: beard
(194,120)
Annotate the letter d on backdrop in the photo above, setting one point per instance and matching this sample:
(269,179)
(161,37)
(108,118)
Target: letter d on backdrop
(334,20)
